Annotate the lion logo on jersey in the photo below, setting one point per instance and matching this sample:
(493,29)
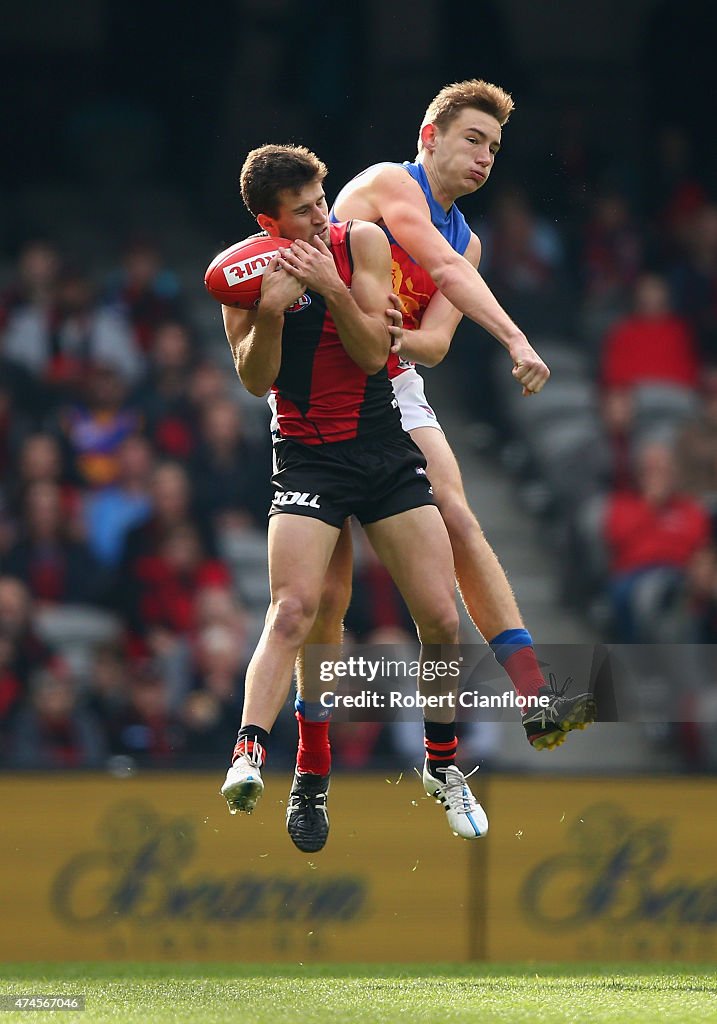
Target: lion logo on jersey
(412,301)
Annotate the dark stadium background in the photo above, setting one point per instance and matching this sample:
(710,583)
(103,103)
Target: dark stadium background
(126,122)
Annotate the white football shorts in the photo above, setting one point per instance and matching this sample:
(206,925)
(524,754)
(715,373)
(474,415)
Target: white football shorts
(412,403)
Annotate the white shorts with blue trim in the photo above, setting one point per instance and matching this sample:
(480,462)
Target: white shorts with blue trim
(412,403)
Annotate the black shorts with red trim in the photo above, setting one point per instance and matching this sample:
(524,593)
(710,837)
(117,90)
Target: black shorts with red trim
(371,478)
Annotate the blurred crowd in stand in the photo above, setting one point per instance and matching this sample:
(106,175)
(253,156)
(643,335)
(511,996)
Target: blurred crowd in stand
(617,288)
(134,489)
(134,480)
(126,468)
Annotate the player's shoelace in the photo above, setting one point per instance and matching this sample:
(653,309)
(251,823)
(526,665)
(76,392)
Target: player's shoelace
(562,697)
(559,691)
(255,756)
(559,699)
(302,800)
(454,792)
(458,793)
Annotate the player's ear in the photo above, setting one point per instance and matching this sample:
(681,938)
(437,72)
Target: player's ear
(428,137)
(268,224)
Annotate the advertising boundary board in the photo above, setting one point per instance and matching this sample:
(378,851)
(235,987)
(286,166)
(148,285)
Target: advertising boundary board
(154,868)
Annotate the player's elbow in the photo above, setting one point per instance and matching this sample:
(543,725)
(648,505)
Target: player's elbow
(255,389)
(254,385)
(436,352)
(448,273)
(375,356)
(373,366)
(375,360)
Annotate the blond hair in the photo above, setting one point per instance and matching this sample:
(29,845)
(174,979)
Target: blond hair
(474,93)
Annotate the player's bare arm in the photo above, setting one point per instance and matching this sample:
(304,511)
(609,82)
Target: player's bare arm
(360,314)
(398,201)
(254,336)
(430,343)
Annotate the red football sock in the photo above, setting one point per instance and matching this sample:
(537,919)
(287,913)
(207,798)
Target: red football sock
(251,737)
(440,755)
(314,754)
(524,671)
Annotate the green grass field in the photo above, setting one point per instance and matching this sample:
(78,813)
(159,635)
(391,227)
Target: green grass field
(362,994)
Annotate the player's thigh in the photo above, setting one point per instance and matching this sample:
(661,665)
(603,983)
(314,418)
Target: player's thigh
(336,590)
(415,548)
(442,466)
(300,549)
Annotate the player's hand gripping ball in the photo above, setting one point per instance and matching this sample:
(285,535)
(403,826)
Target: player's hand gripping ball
(234,276)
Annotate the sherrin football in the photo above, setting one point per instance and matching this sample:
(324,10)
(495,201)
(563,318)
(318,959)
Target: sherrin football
(234,276)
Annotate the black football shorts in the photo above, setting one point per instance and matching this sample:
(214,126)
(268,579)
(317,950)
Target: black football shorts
(370,478)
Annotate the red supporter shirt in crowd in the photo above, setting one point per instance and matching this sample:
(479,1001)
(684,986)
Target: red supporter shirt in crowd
(642,350)
(640,534)
(168,597)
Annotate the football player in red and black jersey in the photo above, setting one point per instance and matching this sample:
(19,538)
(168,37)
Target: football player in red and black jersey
(320,340)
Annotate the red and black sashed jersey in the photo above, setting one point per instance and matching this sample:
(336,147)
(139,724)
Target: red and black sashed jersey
(321,395)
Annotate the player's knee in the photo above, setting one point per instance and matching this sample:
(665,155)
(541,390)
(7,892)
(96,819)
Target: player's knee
(442,626)
(292,615)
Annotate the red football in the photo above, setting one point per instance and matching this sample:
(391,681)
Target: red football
(234,276)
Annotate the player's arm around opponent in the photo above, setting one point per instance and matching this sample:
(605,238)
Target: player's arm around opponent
(429,345)
(396,199)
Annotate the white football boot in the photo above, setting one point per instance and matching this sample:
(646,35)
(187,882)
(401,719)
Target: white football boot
(244,785)
(466,817)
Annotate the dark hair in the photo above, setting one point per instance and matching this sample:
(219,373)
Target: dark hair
(269,170)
